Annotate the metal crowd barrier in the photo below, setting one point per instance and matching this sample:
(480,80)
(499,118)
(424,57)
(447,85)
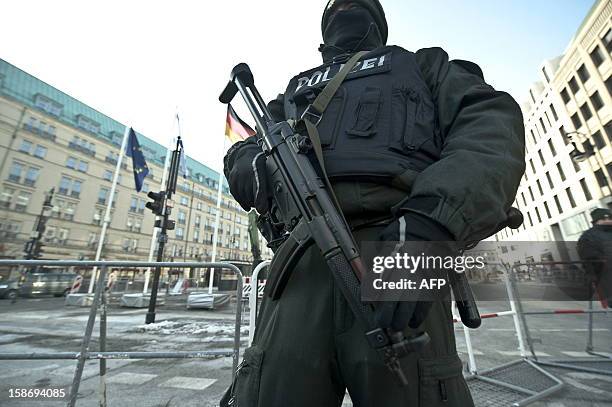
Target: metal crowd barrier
(517,383)
(253,299)
(100,300)
(597,363)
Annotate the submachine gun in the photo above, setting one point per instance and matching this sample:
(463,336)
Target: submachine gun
(305,203)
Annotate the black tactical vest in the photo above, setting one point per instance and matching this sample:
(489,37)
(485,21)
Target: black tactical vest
(381,122)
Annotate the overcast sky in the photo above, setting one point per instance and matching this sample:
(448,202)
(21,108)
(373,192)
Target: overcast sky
(138,61)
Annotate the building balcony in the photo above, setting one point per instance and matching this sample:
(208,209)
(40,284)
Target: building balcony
(42,134)
(29,182)
(14,178)
(84,150)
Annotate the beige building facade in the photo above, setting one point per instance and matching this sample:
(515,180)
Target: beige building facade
(49,140)
(568,130)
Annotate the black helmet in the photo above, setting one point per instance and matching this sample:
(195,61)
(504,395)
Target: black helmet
(374,8)
(600,214)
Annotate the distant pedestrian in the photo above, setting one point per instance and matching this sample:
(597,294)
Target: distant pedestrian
(595,247)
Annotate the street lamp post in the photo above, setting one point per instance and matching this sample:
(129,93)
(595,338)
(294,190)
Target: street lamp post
(579,156)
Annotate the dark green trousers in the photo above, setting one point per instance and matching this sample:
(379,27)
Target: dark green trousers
(309,349)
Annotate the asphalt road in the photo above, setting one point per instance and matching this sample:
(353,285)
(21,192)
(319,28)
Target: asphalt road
(46,325)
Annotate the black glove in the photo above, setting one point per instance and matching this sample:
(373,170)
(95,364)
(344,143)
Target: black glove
(397,315)
(244,167)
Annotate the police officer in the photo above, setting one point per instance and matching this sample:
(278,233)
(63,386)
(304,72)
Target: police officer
(595,247)
(417,147)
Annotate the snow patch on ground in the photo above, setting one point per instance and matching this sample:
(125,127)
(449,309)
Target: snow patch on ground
(168,327)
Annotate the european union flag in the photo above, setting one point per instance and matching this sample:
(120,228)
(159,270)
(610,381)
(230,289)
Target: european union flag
(139,164)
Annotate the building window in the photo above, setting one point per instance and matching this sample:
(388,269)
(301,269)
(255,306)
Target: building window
(70,187)
(87,124)
(601,178)
(15,172)
(607,40)
(576,121)
(559,208)
(597,101)
(137,205)
(548,215)
(532,166)
(145,187)
(530,218)
(550,182)
(107,175)
(196,235)
(570,197)
(540,187)
(71,163)
(9,229)
(184,200)
(198,220)
(6,198)
(585,189)
(180,232)
(40,151)
(21,204)
(573,85)
(524,200)
(609,84)
(82,145)
(586,111)
(576,166)
(537,210)
(76,188)
(542,124)
(608,129)
(541,157)
(545,75)
(583,73)
(597,56)
(83,166)
(31,176)
(102,196)
(181,217)
(565,96)
(554,112)
(552,147)
(531,194)
(598,140)
(564,136)
(561,173)
(48,105)
(26,146)
(98,216)
(533,137)
(69,211)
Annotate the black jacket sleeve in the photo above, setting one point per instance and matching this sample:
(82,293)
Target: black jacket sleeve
(482,161)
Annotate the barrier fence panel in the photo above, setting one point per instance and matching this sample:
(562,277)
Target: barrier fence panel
(598,362)
(517,383)
(100,300)
(253,294)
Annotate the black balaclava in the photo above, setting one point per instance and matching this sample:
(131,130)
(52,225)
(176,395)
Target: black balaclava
(362,27)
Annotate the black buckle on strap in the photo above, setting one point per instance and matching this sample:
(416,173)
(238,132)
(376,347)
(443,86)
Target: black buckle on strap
(310,113)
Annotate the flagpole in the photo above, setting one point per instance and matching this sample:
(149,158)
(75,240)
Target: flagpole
(217,221)
(156,229)
(109,206)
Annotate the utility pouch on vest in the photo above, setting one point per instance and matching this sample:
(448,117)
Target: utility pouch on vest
(244,390)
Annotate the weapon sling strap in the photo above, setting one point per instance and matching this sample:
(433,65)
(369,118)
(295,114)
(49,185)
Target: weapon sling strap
(316,110)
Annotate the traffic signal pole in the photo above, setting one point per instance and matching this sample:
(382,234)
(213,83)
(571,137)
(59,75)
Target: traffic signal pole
(32,250)
(162,206)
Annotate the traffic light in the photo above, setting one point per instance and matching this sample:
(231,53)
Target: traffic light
(157,205)
(33,249)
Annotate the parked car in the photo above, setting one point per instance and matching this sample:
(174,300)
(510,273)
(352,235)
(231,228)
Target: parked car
(9,289)
(56,284)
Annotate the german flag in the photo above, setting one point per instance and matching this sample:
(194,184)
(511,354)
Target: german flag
(235,128)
